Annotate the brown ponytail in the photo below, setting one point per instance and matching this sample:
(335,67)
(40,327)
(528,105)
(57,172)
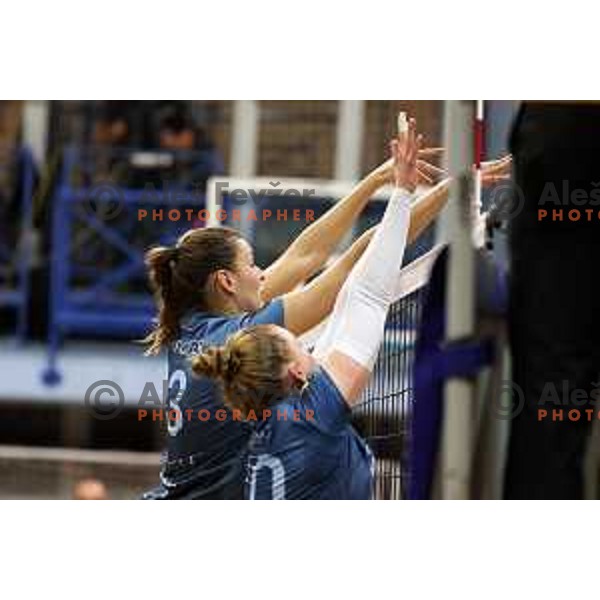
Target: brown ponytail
(179,275)
(250,366)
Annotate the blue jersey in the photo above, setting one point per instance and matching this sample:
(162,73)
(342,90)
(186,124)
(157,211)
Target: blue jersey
(307,449)
(206,447)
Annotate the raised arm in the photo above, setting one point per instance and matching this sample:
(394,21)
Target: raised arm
(311,249)
(350,344)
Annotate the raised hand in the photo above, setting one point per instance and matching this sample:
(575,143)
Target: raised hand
(428,174)
(496,171)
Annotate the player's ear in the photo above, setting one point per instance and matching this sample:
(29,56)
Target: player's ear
(224,280)
(297,375)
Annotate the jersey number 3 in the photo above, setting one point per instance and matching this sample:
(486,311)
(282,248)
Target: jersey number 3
(174,426)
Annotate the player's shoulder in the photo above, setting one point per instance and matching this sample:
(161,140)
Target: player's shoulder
(212,329)
(322,396)
(320,382)
(287,416)
(270,313)
(318,407)
(209,328)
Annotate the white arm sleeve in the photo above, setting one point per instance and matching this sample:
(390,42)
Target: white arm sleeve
(357,321)
(409,279)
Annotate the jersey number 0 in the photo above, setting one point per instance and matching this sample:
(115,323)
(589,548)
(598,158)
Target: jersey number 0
(277,472)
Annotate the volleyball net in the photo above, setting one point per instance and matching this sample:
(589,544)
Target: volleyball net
(383,416)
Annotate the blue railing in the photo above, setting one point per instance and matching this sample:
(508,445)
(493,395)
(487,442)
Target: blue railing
(100,234)
(16,233)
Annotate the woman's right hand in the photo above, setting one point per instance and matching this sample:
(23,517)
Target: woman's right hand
(429,174)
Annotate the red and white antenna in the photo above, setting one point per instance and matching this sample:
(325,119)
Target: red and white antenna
(479,147)
(478,229)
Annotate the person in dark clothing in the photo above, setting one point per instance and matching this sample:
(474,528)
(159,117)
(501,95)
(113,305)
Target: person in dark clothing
(554,326)
(196,157)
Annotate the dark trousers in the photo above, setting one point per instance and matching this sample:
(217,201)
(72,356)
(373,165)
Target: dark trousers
(554,304)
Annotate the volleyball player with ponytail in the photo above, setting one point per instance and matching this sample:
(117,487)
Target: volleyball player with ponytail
(208,287)
(303,445)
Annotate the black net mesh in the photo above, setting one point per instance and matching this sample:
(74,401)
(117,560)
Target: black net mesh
(384,413)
